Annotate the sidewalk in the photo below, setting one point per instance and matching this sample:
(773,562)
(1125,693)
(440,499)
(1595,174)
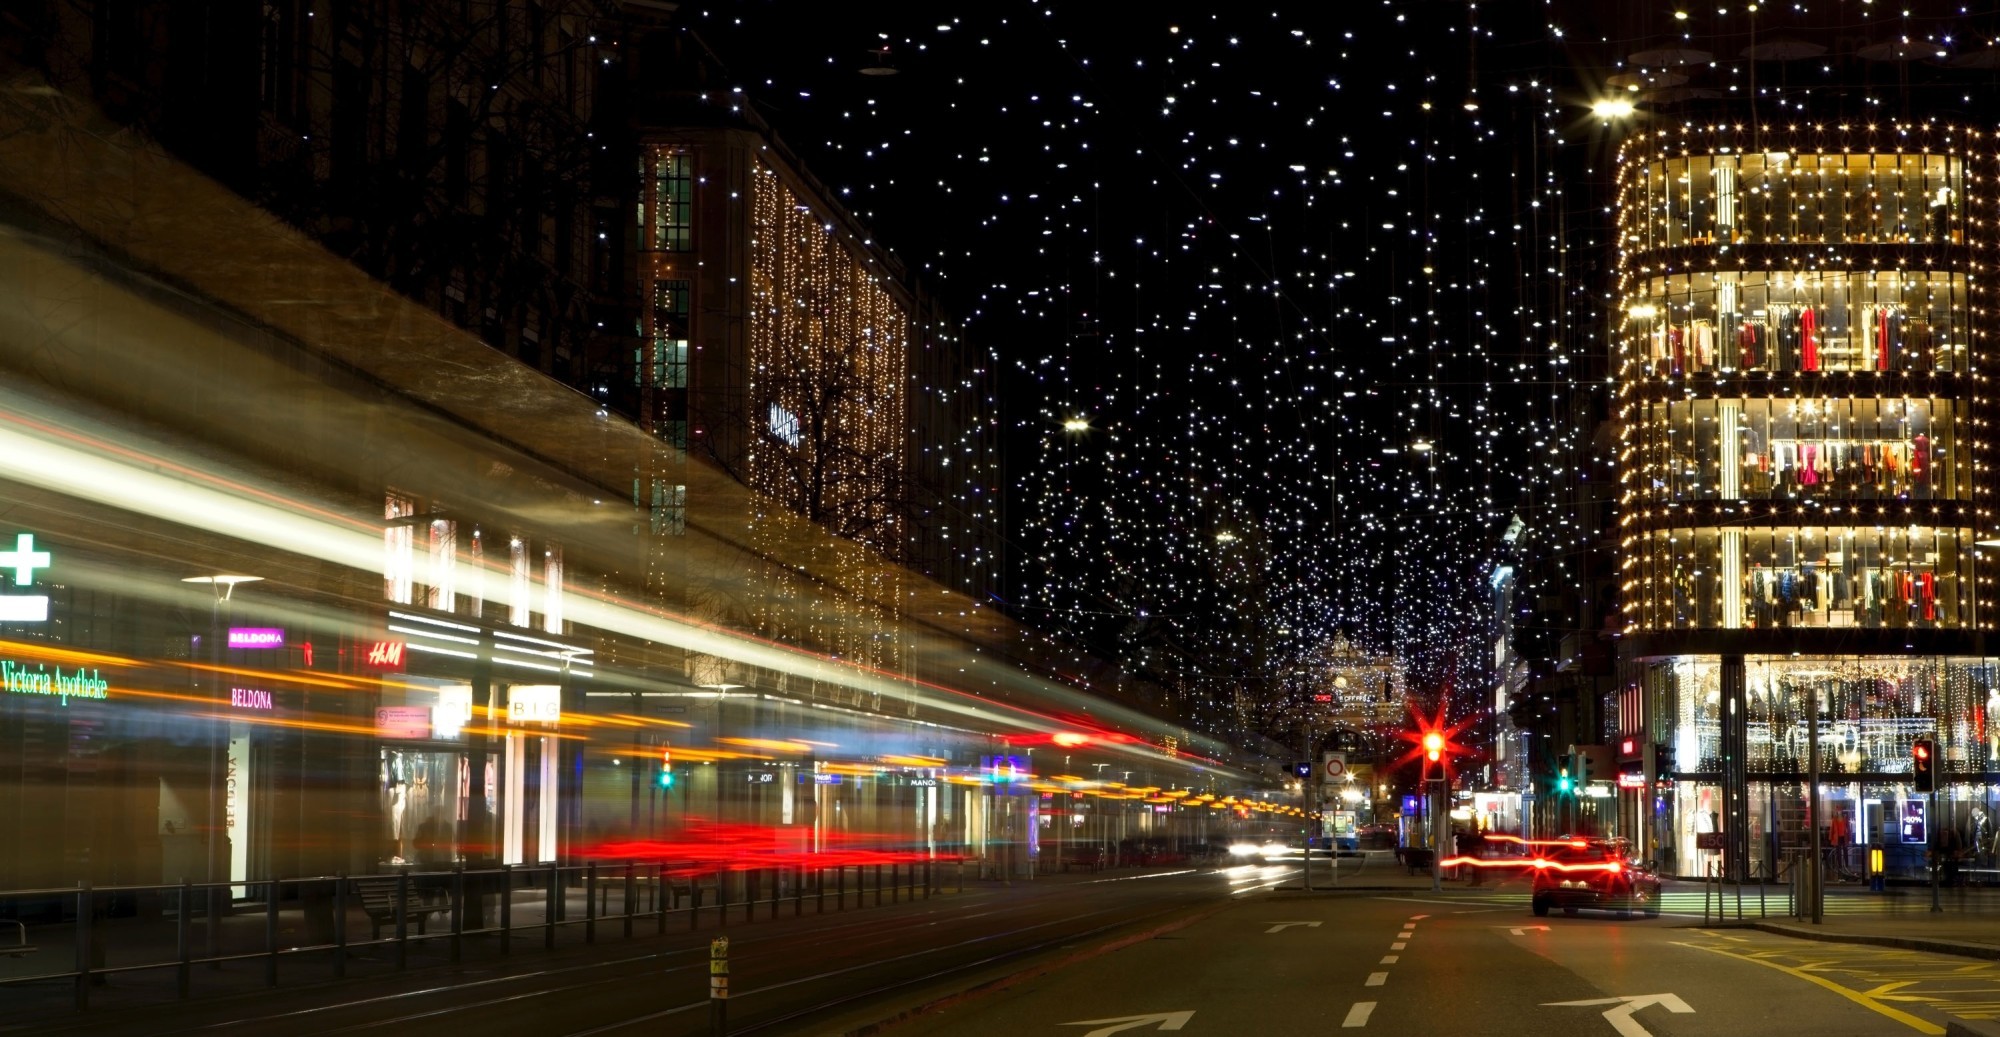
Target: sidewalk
(1968,926)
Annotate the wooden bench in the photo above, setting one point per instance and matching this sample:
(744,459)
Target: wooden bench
(21,948)
(378,901)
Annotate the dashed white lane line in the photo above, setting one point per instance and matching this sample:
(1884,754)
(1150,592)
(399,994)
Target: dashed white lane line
(1389,959)
(1397,946)
(1358,1015)
(1406,934)
(1418,918)
(1376,979)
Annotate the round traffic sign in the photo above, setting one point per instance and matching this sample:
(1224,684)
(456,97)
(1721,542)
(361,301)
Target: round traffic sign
(1336,768)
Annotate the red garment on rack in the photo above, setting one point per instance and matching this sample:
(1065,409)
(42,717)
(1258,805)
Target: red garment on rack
(1920,455)
(1882,339)
(1746,340)
(1678,339)
(1808,336)
(1928,582)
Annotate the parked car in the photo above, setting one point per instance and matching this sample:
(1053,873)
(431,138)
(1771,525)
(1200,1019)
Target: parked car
(1593,873)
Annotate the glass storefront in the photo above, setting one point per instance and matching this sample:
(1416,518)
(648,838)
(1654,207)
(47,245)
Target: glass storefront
(1846,449)
(1871,710)
(1772,577)
(1798,321)
(1782,197)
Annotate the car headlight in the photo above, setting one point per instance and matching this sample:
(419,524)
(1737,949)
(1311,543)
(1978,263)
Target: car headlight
(1244,849)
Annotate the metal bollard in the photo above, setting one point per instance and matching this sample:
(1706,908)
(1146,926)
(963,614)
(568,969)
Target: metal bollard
(660,897)
(181,939)
(506,909)
(84,903)
(457,911)
(840,886)
(402,919)
(718,986)
(339,925)
(777,890)
(271,932)
(694,902)
(631,890)
(549,910)
(590,902)
(878,885)
(798,891)
(819,891)
(895,883)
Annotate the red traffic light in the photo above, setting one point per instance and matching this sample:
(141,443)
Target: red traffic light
(1921,751)
(1433,746)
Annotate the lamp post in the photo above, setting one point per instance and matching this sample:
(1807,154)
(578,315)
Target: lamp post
(214,849)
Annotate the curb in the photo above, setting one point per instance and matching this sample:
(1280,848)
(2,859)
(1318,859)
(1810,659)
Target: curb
(1908,943)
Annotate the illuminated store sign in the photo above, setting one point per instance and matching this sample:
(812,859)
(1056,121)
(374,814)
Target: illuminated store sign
(40,679)
(534,703)
(24,560)
(256,637)
(250,698)
(384,655)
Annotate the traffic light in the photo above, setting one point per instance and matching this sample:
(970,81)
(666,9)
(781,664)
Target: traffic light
(666,768)
(1433,746)
(1923,764)
(1564,783)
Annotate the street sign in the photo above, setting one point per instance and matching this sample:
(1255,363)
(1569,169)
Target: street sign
(1333,767)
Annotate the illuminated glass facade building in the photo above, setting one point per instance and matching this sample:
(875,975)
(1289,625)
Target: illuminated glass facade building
(1802,353)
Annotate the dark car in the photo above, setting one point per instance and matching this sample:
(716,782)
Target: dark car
(1594,873)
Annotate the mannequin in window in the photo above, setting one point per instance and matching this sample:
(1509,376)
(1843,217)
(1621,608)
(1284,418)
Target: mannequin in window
(1940,213)
(397,807)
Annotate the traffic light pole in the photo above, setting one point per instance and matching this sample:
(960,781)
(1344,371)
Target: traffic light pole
(1930,845)
(1813,875)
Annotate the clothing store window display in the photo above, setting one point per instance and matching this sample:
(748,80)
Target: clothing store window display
(421,808)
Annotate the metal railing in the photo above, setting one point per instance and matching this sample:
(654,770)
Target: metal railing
(1712,882)
(477,904)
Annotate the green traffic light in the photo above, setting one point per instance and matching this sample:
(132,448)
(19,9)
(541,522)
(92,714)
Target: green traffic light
(666,778)
(1562,783)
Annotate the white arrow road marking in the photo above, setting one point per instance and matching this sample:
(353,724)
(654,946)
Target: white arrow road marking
(1621,1017)
(1282,926)
(1167,1021)
(1523,930)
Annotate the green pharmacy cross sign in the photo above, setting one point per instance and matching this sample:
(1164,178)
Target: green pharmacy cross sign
(24,560)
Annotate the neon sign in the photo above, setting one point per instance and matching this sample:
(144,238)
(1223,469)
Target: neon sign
(24,560)
(385,655)
(250,698)
(20,679)
(256,637)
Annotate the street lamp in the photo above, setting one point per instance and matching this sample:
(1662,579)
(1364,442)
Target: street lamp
(223,587)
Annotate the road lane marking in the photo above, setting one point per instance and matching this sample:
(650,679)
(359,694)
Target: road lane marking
(1166,1021)
(1282,926)
(1389,959)
(1358,1015)
(1397,946)
(1418,918)
(1849,993)
(1376,979)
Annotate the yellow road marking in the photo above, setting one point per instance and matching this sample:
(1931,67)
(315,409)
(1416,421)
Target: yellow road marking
(1855,996)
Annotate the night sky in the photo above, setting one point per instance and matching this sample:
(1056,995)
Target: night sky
(1325,281)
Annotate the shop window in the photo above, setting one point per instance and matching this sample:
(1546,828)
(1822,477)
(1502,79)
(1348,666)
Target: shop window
(1798,322)
(669,205)
(442,592)
(398,548)
(1801,449)
(1895,577)
(552,588)
(668,367)
(520,582)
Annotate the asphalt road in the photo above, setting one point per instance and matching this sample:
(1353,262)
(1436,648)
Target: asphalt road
(1196,951)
